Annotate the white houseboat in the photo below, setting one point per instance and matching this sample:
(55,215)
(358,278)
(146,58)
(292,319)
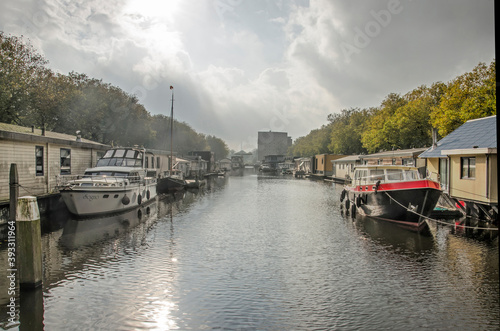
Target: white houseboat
(120,181)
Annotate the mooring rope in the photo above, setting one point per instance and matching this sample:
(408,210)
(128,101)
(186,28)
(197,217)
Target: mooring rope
(438,221)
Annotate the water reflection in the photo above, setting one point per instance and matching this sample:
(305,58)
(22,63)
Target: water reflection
(262,253)
(84,232)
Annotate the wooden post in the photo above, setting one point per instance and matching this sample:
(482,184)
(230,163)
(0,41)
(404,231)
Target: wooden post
(14,192)
(28,243)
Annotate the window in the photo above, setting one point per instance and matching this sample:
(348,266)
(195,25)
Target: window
(39,160)
(146,165)
(130,154)
(65,161)
(395,174)
(376,174)
(158,162)
(468,167)
(152,161)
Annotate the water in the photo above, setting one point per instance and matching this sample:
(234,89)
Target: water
(263,253)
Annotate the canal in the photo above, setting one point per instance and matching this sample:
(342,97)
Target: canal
(253,252)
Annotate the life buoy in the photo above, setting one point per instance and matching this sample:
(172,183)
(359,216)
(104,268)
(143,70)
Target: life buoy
(139,199)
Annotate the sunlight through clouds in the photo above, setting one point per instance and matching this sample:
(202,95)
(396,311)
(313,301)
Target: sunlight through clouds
(238,66)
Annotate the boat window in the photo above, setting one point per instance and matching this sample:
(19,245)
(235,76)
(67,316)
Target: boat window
(109,153)
(105,173)
(129,163)
(411,175)
(130,154)
(120,174)
(103,162)
(119,153)
(376,174)
(394,174)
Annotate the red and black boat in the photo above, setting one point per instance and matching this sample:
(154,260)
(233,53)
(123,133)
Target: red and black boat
(394,193)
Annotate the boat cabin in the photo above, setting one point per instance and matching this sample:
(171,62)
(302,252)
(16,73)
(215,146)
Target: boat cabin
(369,175)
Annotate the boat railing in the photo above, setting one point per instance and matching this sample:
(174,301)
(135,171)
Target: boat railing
(102,180)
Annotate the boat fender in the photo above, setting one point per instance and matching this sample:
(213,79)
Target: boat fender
(148,195)
(375,188)
(353,211)
(125,200)
(342,195)
(139,213)
(139,199)
(347,204)
(358,201)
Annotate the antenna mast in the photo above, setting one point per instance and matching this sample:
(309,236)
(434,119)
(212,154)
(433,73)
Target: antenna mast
(171,131)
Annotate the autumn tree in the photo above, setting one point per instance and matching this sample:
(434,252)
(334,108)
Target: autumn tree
(469,96)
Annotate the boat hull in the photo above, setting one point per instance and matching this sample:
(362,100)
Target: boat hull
(92,201)
(170,184)
(405,202)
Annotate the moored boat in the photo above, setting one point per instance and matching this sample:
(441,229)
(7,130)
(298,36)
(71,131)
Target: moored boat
(395,193)
(172,181)
(119,182)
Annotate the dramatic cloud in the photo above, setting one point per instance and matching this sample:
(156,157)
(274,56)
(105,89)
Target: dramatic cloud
(241,66)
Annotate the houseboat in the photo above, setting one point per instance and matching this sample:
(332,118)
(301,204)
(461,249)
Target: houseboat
(395,193)
(120,181)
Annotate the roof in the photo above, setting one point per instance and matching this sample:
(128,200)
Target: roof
(479,134)
(16,132)
(350,158)
(396,153)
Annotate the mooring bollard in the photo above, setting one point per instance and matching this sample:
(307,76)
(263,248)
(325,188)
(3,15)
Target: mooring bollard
(29,243)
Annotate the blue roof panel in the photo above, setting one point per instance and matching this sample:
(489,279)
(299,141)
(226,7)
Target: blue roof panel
(481,132)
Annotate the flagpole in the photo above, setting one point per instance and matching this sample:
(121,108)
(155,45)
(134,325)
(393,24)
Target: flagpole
(171,131)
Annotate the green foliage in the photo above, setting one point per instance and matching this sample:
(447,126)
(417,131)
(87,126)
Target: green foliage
(469,96)
(20,67)
(218,146)
(347,128)
(31,94)
(316,142)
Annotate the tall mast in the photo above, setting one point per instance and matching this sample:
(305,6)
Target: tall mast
(171,130)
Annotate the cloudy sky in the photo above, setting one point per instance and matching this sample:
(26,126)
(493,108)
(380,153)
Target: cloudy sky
(243,66)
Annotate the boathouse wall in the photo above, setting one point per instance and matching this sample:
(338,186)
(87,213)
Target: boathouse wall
(483,187)
(42,157)
(49,171)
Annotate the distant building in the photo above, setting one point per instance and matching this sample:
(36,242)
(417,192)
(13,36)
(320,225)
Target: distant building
(322,164)
(343,168)
(207,156)
(272,143)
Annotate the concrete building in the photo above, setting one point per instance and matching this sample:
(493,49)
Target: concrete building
(272,143)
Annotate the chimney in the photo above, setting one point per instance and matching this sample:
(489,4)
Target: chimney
(79,136)
(434,138)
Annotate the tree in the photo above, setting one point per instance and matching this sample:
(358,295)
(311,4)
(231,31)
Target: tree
(347,128)
(218,146)
(469,96)
(20,66)
(379,135)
